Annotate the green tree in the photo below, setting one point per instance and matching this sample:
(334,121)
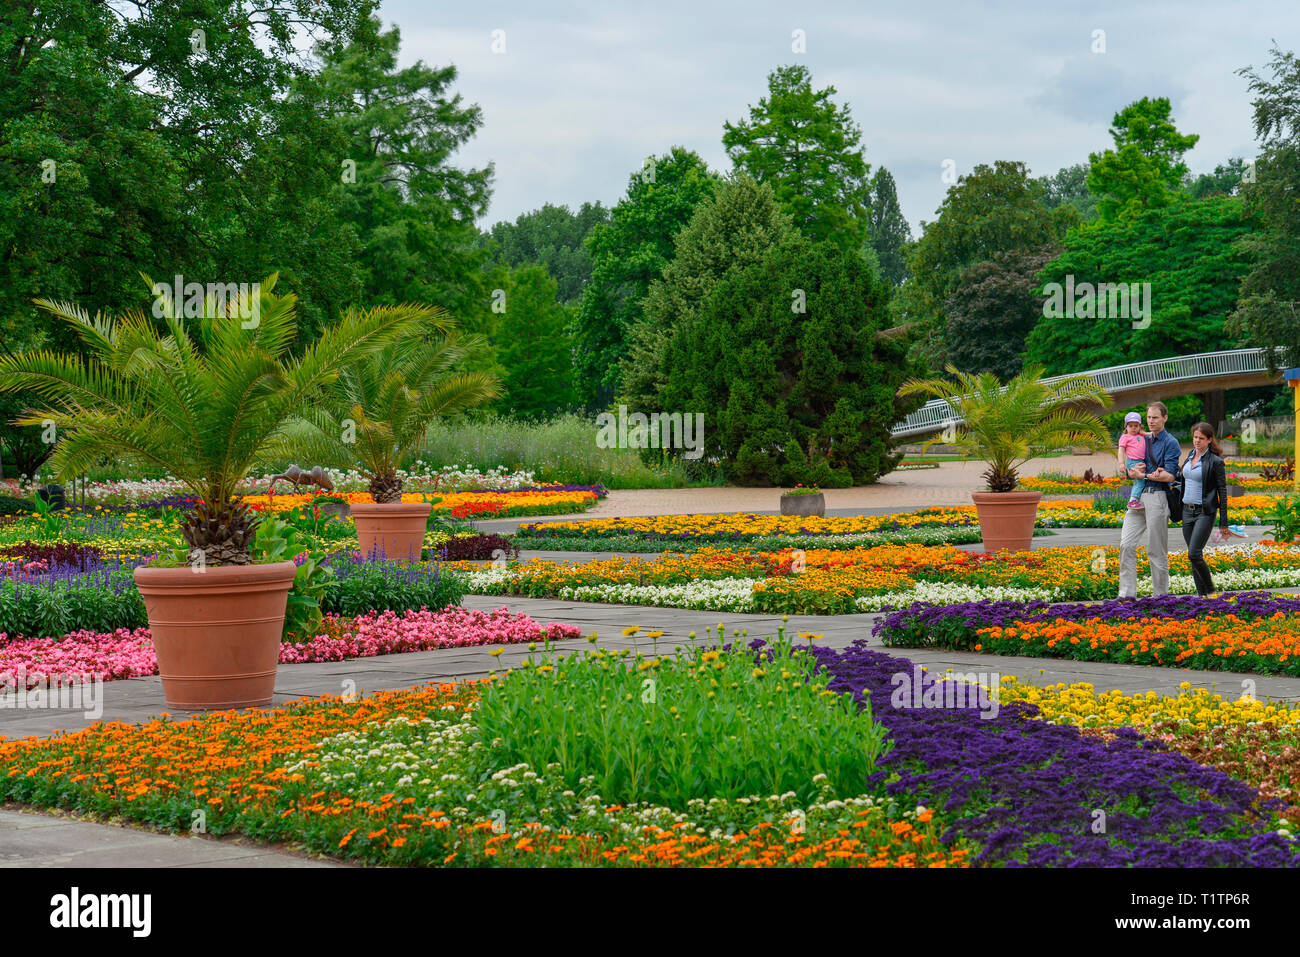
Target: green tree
(552,237)
(731,229)
(994,209)
(1146,168)
(1226,180)
(807,149)
(784,359)
(627,254)
(1069,187)
(1190,255)
(536,351)
(994,308)
(890,234)
(412,211)
(1268,313)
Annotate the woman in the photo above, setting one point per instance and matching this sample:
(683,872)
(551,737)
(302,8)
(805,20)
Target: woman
(1205,491)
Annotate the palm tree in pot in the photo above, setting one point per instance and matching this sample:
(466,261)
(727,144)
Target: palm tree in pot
(377,414)
(1007,425)
(201,398)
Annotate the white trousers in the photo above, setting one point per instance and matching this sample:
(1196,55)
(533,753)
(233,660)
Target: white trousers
(1153,521)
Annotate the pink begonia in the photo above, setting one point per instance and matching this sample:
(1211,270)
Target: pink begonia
(129,654)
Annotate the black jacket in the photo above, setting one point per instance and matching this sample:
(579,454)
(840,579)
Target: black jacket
(1214,485)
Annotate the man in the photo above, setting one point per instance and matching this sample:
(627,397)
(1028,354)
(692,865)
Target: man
(1159,469)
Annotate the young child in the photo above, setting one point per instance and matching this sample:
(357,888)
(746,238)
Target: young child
(1132,451)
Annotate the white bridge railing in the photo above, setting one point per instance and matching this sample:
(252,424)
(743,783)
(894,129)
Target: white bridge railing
(937,413)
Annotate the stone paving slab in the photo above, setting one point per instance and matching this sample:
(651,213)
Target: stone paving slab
(29,839)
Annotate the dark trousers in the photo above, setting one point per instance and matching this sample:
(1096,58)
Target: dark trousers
(1196,532)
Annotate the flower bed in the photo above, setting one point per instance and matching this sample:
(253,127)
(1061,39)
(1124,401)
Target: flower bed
(435,776)
(817,581)
(751,529)
(1057,486)
(1247,633)
(479,775)
(483,503)
(130,654)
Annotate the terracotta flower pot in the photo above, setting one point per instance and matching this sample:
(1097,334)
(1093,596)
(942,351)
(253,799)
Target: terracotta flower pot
(392,531)
(1007,519)
(804,505)
(217,632)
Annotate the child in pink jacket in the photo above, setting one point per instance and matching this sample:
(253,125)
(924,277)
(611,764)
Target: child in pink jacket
(1132,450)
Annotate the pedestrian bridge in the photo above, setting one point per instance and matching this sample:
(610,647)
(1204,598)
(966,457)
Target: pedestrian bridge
(1139,382)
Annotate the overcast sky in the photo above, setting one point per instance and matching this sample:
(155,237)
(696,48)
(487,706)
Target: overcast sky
(584,92)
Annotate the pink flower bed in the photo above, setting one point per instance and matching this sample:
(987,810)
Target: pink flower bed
(130,654)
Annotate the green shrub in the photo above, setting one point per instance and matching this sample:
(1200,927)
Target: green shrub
(668,730)
(51,607)
(10,505)
(363,586)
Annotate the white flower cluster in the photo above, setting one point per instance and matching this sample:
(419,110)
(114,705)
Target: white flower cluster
(948,593)
(721,594)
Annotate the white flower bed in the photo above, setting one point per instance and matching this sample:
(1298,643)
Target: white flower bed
(722,594)
(943,593)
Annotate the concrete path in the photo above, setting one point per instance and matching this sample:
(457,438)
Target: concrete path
(30,839)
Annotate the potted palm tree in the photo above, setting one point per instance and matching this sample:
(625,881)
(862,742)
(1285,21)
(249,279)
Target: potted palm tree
(1005,426)
(376,415)
(201,398)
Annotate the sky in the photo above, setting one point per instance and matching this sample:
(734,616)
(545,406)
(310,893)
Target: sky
(575,96)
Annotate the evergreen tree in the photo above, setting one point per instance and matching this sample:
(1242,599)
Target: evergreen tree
(889,231)
(807,149)
(731,229)
(534,350)
(552,237)
(784,359)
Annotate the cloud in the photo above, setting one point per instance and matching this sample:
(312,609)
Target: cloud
(1092,88)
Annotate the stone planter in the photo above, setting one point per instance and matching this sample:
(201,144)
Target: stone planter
(804,505)
(341,509)
(393,531)
(1007,519)
(217,632)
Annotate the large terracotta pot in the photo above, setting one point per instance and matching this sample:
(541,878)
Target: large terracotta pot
(392,531)
(217,632)
(1007,519)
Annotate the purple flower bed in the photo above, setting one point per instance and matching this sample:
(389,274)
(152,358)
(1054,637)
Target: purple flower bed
(1027,790)
(954,626)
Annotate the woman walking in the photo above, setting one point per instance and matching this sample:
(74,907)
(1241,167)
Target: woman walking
(1205,491)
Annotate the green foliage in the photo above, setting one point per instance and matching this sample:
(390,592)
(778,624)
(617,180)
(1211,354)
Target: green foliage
(554,238)
(808,150)
(1069,187)
(1285,519)
(279,541)
(411,209)
(669,730)
(535,347)
(1267,313)
(628,253)
(102,602)
(11,505)
(790,396)
(1187,251)
(202,399)
(994,309)
(1146,166)
(379,406)
(1007,426)
(889,231)
(733,228)
(992,210)
(1226,180)
(561,450)
(52,525)
(365,586)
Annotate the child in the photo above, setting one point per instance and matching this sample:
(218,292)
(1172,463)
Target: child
(1132,451)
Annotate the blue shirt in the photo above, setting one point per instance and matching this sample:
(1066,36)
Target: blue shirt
(1162,453)
(1192,484)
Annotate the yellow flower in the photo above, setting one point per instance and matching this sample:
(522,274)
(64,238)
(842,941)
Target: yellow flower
(629,632)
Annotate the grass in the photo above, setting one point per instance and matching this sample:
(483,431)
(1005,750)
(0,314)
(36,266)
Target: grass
(561,450)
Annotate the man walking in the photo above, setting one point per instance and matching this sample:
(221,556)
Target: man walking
(1159,469)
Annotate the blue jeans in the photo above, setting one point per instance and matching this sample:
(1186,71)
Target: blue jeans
(1138,484)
